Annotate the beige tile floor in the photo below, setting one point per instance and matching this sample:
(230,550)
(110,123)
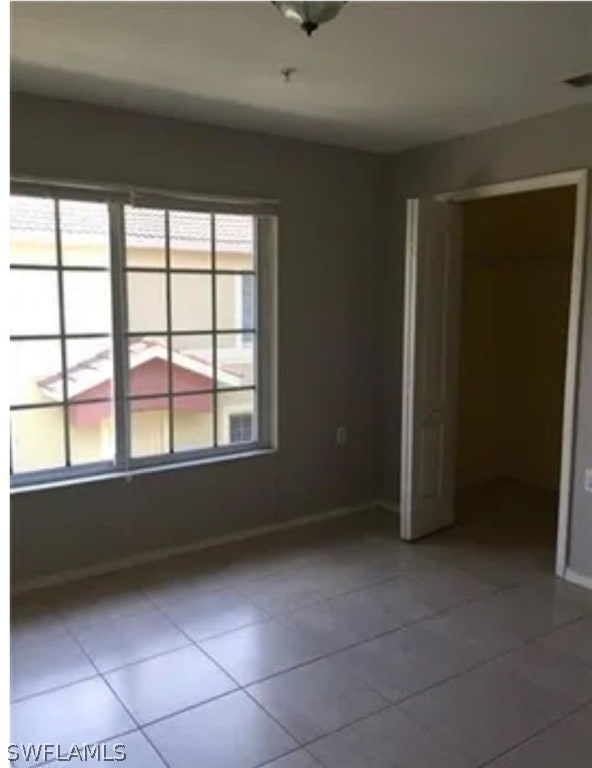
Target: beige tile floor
(335,645)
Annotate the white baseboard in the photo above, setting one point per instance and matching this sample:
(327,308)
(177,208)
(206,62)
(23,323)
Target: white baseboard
(154,555)
(578,578)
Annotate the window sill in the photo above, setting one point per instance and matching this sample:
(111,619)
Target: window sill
(129,475)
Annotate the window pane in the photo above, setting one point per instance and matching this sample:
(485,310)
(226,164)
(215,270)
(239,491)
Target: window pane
(190,240)
(235,242)
(236,362)
(84,229)
(146,302)
(144,237)
(91,432)
(229,302)
(37,437)
(192,363)
(230,404)
(191,297)
(32,231)
(35,372)
(148,365)
(193,421)
(149,422)
(90,368)
(87,302)
(38,289)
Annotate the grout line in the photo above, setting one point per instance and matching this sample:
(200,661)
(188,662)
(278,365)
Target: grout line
(195,644)
(278,619)
(271,716)
(139,727)
(54,689)
(154,747)
(116,696)
(188,708)
(483,662)
(389,703)
(240,687)
(343,727)
(396,705)
(472,668)
(535,734)
(491,590)
(326,598)
(267,763)
(319,655)
(144,659)
(328,654)
(163,612)
(101,673)
(227,673)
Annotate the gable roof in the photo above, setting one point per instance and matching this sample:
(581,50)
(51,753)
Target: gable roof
(98,369)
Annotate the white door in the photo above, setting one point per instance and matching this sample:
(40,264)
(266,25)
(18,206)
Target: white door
(430,366)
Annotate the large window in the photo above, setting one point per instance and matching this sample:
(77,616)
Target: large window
(136,332)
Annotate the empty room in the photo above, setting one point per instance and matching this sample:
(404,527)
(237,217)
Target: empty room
(300,385)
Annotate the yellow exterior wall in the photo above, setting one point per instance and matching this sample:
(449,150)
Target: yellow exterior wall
(150,431)
(192,294)
(516,283)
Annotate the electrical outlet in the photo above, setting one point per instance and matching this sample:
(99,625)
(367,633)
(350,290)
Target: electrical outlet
(588,480)
(341,436)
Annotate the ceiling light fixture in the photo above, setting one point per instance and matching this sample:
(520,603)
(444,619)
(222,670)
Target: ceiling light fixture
(309,16)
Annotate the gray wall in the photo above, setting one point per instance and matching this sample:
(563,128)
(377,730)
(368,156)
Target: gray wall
(555,142)
(341,293)
(331,238)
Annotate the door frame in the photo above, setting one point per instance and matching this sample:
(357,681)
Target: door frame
(579,179)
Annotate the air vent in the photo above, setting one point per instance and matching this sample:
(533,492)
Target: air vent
(580,81)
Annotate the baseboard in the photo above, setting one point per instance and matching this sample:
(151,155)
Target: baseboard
(578,578)
(388,506)
(154,555)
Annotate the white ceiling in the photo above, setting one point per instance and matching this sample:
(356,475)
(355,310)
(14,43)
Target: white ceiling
(382,76)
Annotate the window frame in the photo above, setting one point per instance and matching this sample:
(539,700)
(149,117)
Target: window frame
(264,386)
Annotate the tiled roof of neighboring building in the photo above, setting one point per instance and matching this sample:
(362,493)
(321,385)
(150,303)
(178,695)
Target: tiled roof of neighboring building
(98,368)
(144,226)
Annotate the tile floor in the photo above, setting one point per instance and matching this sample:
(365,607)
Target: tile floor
(334,645)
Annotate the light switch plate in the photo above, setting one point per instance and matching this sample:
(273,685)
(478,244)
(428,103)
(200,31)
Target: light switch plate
(588,480)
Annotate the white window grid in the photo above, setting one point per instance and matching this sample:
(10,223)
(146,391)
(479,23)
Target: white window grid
(264,374)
